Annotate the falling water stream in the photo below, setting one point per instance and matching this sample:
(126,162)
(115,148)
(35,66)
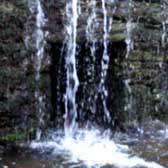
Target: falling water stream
(91,40)
(72,78)
(105,61)
(37,39)
(129,29)
(40,21)
(88,146)
(130,46)
(164,23)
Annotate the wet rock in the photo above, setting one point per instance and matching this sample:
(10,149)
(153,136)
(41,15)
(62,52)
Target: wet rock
(145,68)
(17,72)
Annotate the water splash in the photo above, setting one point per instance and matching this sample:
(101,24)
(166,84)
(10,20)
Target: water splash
(72,78)
(91,148)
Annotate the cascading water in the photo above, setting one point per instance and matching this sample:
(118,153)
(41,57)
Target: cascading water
(130,46)
(107,26)
(129,29)
(91,40)
(164,15)
(40,21)
(91,28)
(72,78)
(105,62)
(164,23)
(88,147)
(38,37)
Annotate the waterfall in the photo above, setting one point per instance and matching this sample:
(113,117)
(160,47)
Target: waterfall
(86,146)
(129,99)
(105,62)
(72,78)
(130,46)
(91,28)
(129,29)
(91,40)
(40,41)
(164,23)
(38,37)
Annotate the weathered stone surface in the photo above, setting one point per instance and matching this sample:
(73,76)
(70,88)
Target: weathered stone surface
(146,66)
(17,71)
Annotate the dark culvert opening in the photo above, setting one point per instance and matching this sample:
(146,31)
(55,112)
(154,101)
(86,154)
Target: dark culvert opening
(89,108)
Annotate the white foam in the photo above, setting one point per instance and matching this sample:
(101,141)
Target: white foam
(164,133)
(95,150)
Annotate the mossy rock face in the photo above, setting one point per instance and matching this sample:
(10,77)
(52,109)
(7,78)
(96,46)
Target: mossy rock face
(118,37)
(6,8)
(13,137)
(145,67)
(13,19)
(17,72)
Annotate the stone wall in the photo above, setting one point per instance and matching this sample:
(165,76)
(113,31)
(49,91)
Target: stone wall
(17,70)
(137,85)
(145,69)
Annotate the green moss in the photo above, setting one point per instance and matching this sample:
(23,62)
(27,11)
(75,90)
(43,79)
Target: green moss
(6,7)
(14,137)
(118,37)
(135,64)
(118,27)
(13,8)
(145,55)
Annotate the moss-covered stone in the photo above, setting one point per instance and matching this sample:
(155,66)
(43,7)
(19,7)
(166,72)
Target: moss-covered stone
(17,104)
(118,37)
(7,7)
(13,137)
(142,55)
(145,67)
